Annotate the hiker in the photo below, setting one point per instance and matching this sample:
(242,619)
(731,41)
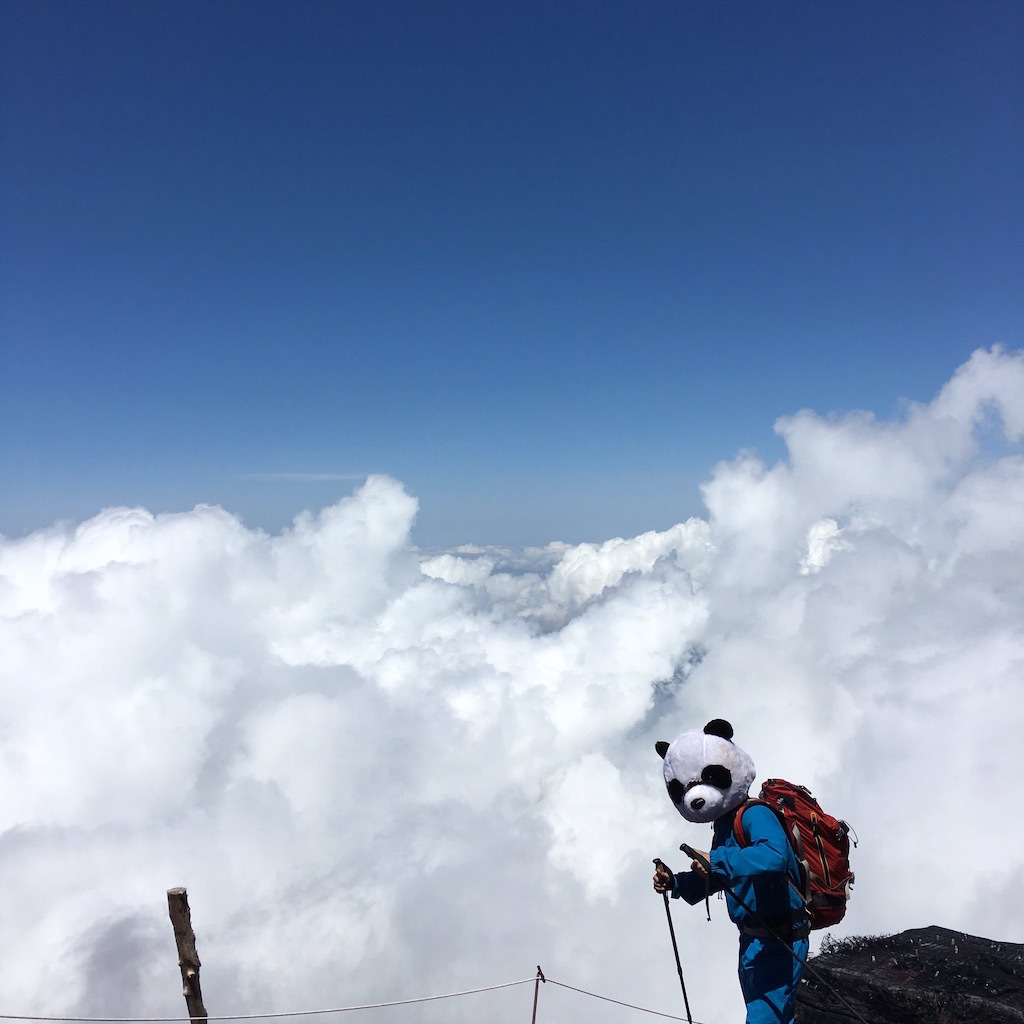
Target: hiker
(708,779)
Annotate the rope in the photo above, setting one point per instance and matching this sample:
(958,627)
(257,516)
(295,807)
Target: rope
(539,977)
(263,1016)
(536,979)
(617,1002)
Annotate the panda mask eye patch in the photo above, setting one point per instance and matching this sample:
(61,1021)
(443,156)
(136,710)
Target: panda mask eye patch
(716,775)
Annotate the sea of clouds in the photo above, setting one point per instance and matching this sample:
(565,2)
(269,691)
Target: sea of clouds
(384,773)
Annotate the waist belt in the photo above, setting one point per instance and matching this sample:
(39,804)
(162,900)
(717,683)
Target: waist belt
(787,931)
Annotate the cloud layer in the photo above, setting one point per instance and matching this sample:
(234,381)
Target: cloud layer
(383,774)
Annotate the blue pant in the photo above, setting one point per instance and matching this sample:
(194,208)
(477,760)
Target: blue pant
(769,978)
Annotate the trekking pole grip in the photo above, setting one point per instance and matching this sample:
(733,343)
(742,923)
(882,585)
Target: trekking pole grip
(694,855)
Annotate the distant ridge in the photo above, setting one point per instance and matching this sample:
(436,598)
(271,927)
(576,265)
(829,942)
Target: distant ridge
(921,976)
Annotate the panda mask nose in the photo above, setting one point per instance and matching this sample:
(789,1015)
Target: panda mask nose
(698,803)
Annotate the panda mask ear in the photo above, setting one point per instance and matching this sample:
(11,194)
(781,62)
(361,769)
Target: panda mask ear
(662,748)
(719,727)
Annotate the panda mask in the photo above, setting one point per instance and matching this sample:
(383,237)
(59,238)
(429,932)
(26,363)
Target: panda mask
(707,775)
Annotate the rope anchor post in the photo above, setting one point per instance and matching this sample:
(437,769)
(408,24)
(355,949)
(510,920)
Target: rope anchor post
(536,992)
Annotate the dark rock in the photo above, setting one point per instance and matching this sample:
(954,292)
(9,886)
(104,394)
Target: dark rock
(922,976)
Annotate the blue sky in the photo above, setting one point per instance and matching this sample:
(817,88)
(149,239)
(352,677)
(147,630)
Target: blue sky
(545,263)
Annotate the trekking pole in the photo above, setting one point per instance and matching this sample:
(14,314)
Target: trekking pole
(675,948)
(706,864)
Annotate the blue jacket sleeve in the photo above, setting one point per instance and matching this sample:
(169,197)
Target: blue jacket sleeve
(768,852)
(693,887)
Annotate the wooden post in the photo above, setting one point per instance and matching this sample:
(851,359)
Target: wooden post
(188,958)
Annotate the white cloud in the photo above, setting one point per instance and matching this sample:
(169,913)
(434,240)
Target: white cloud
(598,824)
(824,538)
(405,774)
(293,477)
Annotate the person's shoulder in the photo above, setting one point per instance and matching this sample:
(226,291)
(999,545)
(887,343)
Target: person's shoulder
(759,819)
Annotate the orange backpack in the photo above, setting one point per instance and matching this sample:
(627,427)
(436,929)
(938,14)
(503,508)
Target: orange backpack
(821,844)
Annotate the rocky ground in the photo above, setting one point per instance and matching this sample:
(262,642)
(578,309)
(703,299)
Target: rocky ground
(921,976)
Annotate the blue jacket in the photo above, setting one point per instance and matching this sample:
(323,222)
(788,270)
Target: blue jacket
(759,874)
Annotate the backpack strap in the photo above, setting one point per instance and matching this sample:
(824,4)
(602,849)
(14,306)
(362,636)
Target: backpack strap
(737,822)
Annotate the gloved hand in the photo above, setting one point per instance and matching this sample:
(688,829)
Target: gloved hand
(664,880)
